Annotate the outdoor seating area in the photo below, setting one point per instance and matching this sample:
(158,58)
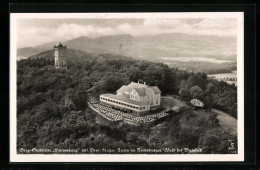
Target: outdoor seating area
(116,115)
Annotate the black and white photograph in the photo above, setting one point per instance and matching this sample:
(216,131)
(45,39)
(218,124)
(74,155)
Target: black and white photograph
(126,87)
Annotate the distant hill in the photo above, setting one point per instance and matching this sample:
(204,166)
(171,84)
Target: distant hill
(173,49)
(27,51)
(150,47)
(72,55)
(75,56)
(49,54)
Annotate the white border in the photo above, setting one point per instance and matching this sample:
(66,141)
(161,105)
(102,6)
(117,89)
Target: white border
(14,157)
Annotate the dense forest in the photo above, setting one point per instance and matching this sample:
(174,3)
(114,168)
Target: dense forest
(52,111)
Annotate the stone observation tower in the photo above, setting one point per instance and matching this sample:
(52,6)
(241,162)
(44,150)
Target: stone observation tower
(60,55)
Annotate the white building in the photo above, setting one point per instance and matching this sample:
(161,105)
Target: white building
(134,97)
(60,56)
(196,102)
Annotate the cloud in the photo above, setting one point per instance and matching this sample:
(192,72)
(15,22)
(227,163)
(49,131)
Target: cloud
(210,26)
(38,32)
(34,36)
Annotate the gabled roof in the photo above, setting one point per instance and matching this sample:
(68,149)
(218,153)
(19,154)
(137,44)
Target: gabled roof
(155,89)
(139,88)
(122,89)
(140,91)
(130,87)
(133,85)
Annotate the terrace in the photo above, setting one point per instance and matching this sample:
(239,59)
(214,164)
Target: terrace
(116,115)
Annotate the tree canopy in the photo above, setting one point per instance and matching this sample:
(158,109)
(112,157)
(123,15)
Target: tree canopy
(52,109)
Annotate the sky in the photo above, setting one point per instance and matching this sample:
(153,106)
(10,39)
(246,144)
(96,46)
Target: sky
(34,32)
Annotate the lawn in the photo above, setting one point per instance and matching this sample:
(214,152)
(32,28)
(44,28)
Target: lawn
(168,102)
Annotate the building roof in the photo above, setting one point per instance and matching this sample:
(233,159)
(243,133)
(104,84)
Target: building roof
(140,91)
(124,98)
(60,46)
(139,88)
(122,89)
(155,89)
(196,101)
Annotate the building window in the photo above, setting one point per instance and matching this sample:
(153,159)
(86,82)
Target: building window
(156,101)
(144,107)
(151,102)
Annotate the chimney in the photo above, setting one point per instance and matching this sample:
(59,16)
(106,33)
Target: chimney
(144,83)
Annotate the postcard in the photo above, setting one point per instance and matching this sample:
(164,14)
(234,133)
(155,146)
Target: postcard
(127,87)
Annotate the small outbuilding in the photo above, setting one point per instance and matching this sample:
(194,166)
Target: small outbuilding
(197,103)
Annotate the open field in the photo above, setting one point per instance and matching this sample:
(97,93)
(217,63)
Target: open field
(233,74)
(168,102)
(188,59)
(226,121)
(230,78)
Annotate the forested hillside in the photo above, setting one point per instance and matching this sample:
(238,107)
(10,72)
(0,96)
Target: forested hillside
(44,121)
